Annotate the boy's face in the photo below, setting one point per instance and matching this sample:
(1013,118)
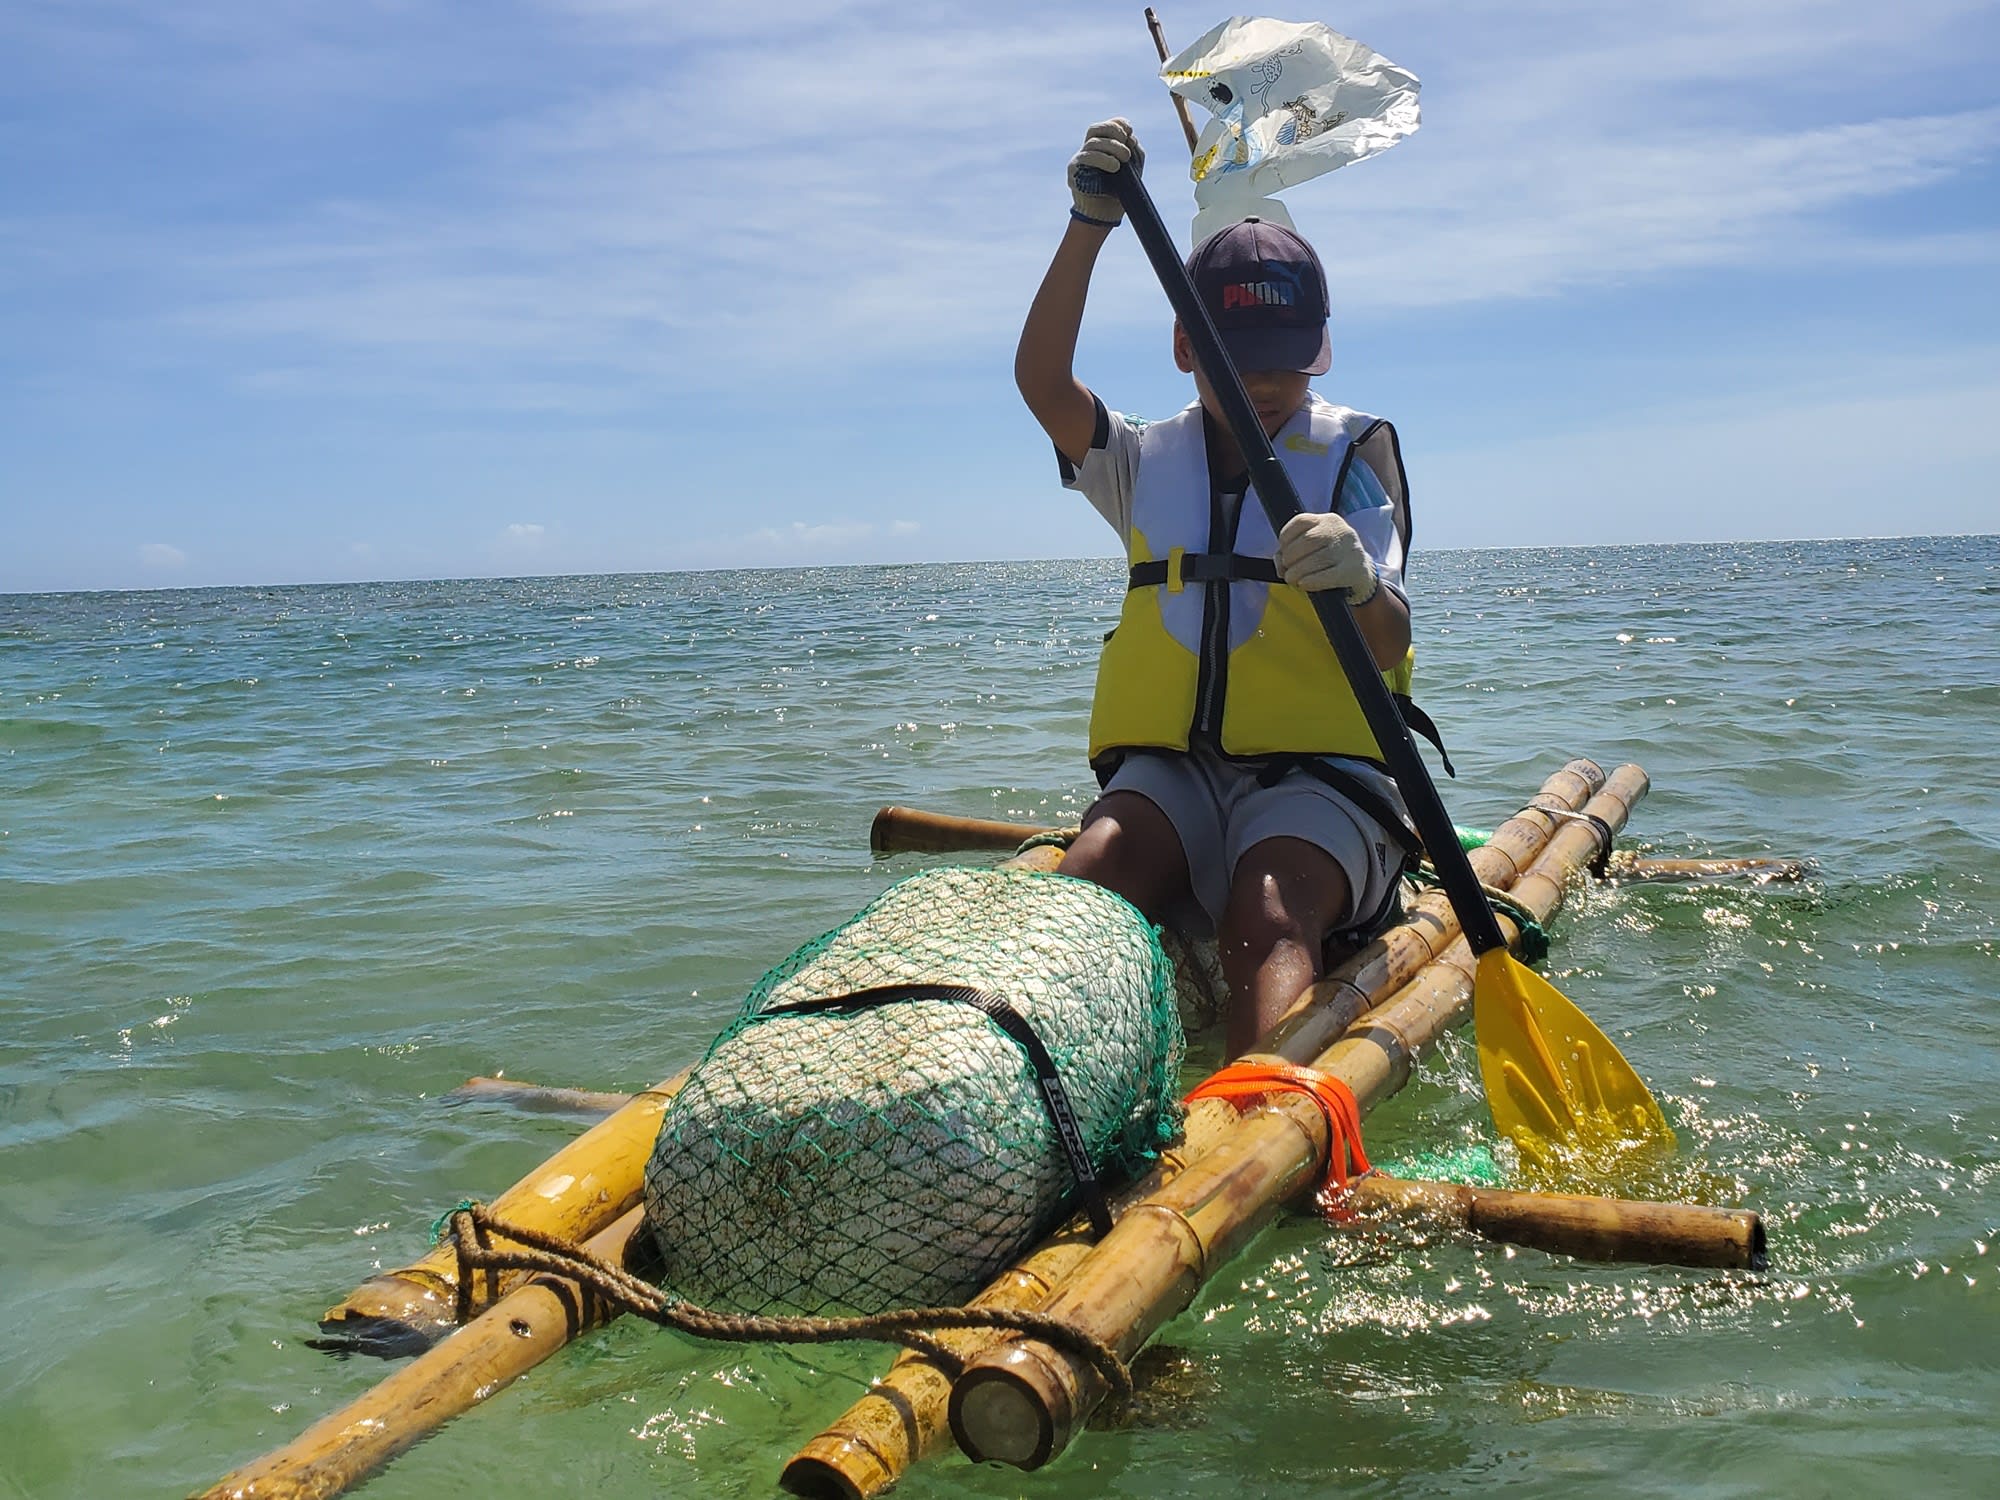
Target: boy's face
(1276,394)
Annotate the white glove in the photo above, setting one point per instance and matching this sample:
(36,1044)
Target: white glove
(1106,148)
(1322,552)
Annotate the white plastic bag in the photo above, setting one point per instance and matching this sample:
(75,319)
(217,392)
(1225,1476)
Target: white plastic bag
(1290,101)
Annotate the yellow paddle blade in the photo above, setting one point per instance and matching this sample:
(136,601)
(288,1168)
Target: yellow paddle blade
(1558,1088)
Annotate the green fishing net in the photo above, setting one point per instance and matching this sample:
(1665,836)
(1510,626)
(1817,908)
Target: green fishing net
(858,1160)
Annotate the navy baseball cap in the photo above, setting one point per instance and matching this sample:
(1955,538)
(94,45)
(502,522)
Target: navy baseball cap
(1264,288)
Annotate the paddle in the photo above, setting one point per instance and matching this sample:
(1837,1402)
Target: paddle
(1555,1083)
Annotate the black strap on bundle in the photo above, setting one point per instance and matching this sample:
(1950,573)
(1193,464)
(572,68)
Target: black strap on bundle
(1055,1098)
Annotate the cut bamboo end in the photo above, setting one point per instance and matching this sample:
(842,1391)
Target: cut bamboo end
(1015,1407)
(844,1468)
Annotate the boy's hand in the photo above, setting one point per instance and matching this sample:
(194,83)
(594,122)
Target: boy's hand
(1106,148)
(1322,552)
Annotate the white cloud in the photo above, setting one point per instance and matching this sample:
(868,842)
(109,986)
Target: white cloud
(700,198)
(878,192)
(161,556)
(523,536)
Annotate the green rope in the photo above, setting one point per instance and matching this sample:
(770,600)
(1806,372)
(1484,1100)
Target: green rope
(1055,838)
(441,1225)
(1534,936)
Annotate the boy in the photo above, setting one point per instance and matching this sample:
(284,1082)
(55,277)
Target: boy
(1241,783)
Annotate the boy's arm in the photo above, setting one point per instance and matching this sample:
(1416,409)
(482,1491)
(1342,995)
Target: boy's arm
(1042,364)
(1385,626)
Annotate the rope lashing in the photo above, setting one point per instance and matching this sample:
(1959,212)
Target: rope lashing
(1243,1084)
(1055,838)
(475,1229)
(1534,936)
(1600,863)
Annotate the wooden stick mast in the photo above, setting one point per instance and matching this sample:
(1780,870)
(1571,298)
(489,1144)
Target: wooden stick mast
(1180,104)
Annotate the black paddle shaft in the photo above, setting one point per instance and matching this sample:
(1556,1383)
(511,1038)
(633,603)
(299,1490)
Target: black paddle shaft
(1280,499)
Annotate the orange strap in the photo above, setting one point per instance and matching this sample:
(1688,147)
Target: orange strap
(1244,1083)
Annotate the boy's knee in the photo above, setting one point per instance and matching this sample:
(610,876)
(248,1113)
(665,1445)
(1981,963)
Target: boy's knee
(1126,859)
(1270,906)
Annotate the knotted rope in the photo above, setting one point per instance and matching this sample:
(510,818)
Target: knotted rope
(474,1229)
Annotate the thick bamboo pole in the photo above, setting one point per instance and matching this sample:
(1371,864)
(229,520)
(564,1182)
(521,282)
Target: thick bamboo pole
(903,1417)
(575,1193)
(510,1338)
(1021,1401)
(871,1445)
(909,830)
(1673,1234)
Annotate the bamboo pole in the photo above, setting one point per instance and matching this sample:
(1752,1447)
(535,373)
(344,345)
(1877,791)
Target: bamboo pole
(575,1193)
(1672,1234)
(1021,1401)
(537,1098)
(910,830)
(1761,870)
(904,1416)
(510,1338)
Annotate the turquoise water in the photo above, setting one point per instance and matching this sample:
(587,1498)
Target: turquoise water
(279,868)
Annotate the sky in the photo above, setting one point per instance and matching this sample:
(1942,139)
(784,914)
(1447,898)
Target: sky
(298,292)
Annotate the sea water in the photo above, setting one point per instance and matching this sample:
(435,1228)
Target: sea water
(280,868)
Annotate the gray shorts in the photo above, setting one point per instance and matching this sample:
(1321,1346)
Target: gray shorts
(1219,811)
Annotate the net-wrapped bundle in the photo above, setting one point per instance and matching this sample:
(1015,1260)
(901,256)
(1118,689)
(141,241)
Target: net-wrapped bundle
(872,1156)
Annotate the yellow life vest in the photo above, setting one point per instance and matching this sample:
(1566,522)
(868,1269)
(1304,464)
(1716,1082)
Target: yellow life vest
(1210,648)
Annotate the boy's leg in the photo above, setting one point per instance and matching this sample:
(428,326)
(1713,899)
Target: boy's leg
(1285,896)
(1129,846)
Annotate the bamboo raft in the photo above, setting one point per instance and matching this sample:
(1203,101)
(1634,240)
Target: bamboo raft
(1014,1398)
